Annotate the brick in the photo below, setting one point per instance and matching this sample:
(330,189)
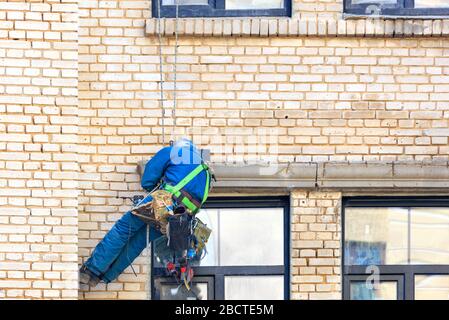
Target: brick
(331,98)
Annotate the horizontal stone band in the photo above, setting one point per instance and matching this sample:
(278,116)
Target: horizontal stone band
(264,27)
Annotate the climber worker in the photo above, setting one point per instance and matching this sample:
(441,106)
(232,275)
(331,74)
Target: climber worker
(178,170)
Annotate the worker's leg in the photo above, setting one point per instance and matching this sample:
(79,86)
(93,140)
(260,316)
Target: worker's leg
(107,251)
(130,252)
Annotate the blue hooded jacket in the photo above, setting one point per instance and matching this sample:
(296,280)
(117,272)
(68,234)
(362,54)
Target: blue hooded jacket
(172,164)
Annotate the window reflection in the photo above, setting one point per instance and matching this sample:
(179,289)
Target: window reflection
(375,236)
(184,2)
(431,4)
(432,287)
(364,290)
(254,4)
(429,235)
(378,1)
(244,237)
(254,288)
(172,291)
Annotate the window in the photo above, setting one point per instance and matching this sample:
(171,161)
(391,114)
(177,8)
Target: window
(411,8)
(247,253)
(396,248)
(222,8)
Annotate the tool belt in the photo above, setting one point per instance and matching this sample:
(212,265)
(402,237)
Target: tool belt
(157,211)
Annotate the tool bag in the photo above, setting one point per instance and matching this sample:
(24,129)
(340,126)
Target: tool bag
(201,233)
(156,211)
(179,231)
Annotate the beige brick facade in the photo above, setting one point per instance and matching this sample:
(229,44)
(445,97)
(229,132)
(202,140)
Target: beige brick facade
(315,253)
(38,160)
(92,84)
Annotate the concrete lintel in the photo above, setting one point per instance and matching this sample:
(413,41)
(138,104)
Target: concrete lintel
(336,175)
(331,175)
(295,175)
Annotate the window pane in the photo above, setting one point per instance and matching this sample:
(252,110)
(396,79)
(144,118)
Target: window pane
(435,287)
(254,4)
(430,235)
(170,291)
(431,4)
(362,290)
(376,236)
(382,2)
(184,2)
(243,237)
(250,236)
(210,218)
(254,288)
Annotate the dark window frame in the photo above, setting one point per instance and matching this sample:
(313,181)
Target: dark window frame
(215,9)
(218,273)
(407,271)
(404,9)
(399,279)
(198,279)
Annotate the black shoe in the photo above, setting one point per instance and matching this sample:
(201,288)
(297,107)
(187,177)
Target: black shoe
(88,277)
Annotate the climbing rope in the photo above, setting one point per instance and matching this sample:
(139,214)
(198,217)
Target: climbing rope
(161,101)
(161,76)
(175,86)
(175,73)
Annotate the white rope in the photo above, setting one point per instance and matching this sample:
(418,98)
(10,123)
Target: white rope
(161,99)
(161,76)
(175,63)
(159,32)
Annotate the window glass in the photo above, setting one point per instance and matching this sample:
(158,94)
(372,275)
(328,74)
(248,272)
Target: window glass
(431,4)
(363,290)
(376,236)
(210,218)
(254,288)
(184,2)
(244,237)
(172,291)
(244,256)
(254,4)
(251,236)
(377,2)
(429,235)
(432,287)
(398,7)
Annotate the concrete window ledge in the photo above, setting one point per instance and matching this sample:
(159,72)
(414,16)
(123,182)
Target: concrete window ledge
(263,27)
(335,175)
(331,175)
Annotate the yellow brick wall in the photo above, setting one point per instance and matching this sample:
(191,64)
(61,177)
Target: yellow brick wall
(320,99)
(38,162)
(315,254)
(323,99)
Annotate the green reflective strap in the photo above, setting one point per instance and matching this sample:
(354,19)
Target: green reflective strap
(188,178)
(184,200)
(206,188)
(176,189)
(193,208)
